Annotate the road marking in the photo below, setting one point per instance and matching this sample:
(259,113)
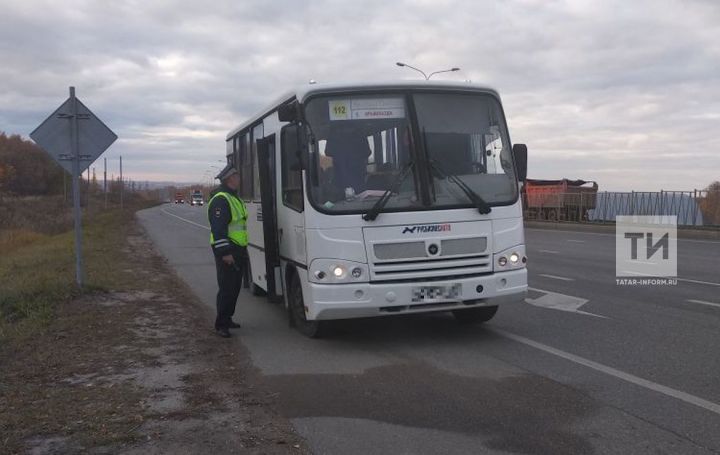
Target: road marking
(576,241)
(638,261)
(185,220)
(556,277)
(680,239)
(549,251)
(698,281)
(688,280)
(668,391)
(702,302)
(561,302)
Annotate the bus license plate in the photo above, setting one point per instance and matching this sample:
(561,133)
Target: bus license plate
(434,293)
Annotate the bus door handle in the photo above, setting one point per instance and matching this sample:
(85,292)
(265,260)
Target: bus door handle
(280,235)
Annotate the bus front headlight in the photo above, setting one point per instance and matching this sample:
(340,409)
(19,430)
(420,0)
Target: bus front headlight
(338,271)
(335,271)
(510,259)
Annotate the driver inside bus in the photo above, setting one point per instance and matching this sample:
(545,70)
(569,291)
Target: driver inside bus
(349,150)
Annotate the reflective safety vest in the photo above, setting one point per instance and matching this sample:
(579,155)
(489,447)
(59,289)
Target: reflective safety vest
(237,228)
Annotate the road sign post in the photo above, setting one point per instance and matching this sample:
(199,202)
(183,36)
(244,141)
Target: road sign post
(76,188)
(74,147)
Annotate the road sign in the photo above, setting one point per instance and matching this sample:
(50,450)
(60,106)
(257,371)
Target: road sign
(54,135)
(75,137)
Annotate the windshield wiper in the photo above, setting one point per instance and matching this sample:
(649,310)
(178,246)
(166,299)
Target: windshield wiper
(482,206)
(374,211)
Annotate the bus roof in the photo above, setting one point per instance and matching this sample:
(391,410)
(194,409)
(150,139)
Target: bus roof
(302,92)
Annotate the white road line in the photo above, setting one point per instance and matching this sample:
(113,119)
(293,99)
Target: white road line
(549,251)
(602,234)
(576,241)
(687,280)
(702,302)
(185,220)
(556,277)
(709,283)
(667,391)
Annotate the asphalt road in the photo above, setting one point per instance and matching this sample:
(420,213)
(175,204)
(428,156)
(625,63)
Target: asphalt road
(585,366)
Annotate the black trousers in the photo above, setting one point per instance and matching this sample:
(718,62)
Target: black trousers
(229,279)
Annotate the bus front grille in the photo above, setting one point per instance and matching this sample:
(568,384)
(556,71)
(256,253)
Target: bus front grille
(431,268)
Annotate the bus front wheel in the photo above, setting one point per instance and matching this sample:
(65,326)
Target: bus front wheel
(475,315)
(312,329)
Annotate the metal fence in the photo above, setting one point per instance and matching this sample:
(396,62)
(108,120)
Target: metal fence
(692,208)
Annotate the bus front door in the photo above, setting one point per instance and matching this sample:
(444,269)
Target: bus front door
(266,168)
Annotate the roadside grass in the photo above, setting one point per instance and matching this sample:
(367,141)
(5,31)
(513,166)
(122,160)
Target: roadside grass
(13,239)
(37,271)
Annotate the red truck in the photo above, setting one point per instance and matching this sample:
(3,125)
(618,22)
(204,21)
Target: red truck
(559,200)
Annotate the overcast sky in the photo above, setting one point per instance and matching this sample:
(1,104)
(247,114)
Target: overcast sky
(625,93)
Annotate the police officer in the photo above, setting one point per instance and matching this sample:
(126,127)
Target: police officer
(228,239)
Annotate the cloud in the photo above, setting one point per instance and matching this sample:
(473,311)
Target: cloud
(626,93)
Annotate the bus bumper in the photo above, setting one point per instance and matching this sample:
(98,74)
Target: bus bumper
(359,300)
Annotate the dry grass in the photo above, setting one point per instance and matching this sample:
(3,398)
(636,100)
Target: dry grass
(14,239)
(37,271)
(136,368)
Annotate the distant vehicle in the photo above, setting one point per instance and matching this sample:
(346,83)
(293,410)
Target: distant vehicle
(559,200)
(197,198)
(179,199)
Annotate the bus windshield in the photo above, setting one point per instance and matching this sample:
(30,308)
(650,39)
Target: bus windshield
(464,136)
(362,145)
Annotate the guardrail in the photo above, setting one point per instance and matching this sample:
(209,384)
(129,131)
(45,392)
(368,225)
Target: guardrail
(692,208)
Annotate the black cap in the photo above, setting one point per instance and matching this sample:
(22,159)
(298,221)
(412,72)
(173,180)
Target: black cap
(227,172)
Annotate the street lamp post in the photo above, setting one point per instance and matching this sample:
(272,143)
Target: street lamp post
(426,76)
(212,171)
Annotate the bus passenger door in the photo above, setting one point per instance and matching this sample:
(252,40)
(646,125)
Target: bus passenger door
(266,168)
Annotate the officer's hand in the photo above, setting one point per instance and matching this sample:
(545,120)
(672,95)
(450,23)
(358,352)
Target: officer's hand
(228,259)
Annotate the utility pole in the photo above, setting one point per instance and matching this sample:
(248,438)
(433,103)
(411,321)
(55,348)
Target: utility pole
(87,190)
(122,184)
(105,188)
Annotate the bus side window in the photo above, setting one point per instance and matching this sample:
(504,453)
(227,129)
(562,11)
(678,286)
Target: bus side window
(258,133)
(292,188)
(245,167)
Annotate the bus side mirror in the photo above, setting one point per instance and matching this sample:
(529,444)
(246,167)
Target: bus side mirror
(289,112)
(520,157)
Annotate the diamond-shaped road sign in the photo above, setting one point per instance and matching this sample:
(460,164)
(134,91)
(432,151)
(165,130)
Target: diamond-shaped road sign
(54,136)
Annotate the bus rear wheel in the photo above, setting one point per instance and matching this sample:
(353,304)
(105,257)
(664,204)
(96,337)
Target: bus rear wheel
(311,329)
(475,315)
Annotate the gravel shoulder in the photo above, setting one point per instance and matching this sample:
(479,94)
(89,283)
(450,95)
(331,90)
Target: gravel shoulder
(135,371)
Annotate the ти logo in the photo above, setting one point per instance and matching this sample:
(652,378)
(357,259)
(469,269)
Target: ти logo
(646,246)
(651,248)
(427,228)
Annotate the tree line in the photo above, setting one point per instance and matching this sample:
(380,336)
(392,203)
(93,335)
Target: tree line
(26,170)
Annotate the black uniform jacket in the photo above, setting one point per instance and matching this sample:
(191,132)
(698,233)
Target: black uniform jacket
(219,216)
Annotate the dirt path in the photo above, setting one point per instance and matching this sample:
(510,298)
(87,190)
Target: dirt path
(136,372)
